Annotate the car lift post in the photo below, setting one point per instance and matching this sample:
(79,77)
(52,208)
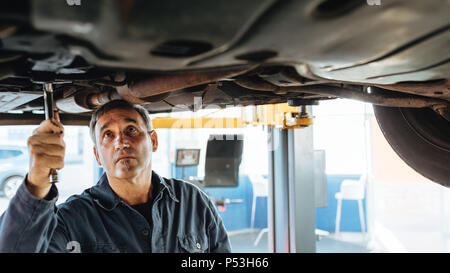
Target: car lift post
(291,206)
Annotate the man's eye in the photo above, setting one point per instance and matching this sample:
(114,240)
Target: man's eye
(107,134)
(131,129)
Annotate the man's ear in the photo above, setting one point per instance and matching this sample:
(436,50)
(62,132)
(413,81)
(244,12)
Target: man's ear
(154,138)
(96,157)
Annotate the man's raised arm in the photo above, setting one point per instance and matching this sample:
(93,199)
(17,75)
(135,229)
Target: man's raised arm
(30,220)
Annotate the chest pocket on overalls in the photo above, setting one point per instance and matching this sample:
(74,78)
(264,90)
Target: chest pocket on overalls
(192,243)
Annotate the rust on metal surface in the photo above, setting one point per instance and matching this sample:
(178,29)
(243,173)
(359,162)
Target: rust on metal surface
(159,84)
(256,84)
(438,88)
(391,100)
(383,98)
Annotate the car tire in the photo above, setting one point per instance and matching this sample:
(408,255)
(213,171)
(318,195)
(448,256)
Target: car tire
(10,185)
(421,137)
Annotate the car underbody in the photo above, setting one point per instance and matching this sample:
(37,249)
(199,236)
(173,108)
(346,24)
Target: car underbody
(162,54)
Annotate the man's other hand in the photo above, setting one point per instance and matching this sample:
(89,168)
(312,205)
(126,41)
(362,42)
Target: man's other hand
(47,149)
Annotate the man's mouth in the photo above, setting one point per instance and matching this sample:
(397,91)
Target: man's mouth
(123,157)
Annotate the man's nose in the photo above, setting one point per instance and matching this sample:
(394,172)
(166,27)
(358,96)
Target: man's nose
(121,142)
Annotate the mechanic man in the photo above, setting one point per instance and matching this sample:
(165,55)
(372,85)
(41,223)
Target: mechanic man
(131,209)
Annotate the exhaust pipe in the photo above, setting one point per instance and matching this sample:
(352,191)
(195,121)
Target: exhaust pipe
(160,84)
(86,101)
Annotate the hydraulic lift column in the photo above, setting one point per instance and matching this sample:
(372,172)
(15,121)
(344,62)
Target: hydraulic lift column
(291,208)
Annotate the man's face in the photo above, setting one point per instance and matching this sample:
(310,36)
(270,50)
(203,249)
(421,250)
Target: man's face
(123,144)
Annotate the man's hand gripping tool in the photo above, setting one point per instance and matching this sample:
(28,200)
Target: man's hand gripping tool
(48,105)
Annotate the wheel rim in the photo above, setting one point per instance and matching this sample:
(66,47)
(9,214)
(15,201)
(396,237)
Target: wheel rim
(11,186)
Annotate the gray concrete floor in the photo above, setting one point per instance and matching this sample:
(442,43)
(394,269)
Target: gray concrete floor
(242,241)
(348,242)
(345,242)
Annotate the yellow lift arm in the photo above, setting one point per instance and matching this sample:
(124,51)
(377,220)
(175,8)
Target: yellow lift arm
(275,115)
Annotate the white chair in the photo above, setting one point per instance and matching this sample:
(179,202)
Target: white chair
(260,189)
(351,190)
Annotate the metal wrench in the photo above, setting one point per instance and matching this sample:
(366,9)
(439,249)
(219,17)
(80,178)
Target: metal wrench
(48,105)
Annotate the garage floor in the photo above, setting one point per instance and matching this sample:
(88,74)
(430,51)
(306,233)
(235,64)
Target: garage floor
(348,242)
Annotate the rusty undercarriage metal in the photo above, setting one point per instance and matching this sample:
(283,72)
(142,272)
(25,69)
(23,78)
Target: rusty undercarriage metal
(148,88)
(138,90)
(254,83)
(438,89)
(378,96)
(145,88)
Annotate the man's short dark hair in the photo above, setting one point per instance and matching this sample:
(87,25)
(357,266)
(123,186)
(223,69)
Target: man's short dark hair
(118,104)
